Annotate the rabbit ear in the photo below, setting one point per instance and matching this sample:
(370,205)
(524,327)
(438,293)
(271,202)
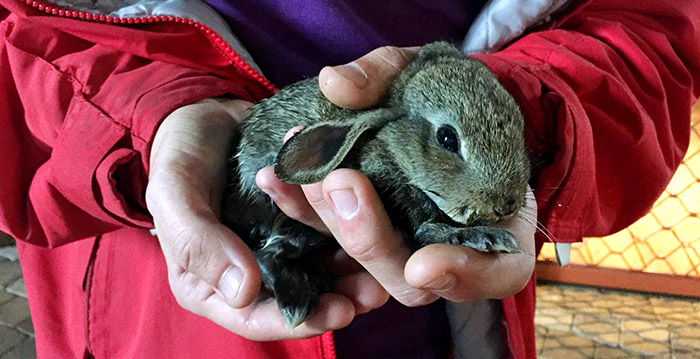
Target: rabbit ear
(312,153)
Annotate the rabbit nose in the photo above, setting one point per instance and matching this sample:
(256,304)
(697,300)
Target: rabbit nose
(506,207)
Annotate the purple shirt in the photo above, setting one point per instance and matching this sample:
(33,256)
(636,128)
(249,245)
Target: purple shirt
(293,40)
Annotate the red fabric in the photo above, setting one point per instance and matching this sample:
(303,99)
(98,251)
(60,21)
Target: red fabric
(606,92)
(610,89)
(120,324)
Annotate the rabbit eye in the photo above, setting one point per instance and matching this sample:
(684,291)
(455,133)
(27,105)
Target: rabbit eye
(447,138)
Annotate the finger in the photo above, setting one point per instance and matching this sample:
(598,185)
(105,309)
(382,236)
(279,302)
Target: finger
(316,199)
(262,321)
(193,239)
(217,256)
(362,83)
(339,262)
(289,198)
(362,227)
(292,132)
(363,290)
(463,274)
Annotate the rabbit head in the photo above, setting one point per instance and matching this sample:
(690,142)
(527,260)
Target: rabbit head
(448,126)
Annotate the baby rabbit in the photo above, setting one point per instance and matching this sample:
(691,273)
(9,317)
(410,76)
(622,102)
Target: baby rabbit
(445,152)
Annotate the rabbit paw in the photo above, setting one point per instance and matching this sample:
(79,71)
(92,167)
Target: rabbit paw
(297,293)
(296,300)
(488,239)
(481,238)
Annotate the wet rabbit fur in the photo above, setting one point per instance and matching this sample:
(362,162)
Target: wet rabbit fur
(445,152)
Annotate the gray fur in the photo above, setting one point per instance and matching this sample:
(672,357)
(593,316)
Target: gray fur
(431,194)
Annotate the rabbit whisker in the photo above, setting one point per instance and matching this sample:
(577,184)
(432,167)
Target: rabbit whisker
(539,227)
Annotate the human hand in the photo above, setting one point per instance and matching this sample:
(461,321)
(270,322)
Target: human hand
(211,271)
(346,205)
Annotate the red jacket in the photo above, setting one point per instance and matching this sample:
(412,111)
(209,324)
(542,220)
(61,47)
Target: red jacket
(606,90)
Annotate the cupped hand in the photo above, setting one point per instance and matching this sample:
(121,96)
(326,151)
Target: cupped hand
(346,205)
(211,271)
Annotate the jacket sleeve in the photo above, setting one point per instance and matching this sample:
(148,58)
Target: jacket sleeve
(76,123)
(607,93)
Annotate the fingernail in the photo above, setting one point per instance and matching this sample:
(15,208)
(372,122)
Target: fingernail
(353,72)
(345,203)
(444,282)
(230,283)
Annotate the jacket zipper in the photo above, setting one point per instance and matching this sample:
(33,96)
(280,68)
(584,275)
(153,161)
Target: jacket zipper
(215,38)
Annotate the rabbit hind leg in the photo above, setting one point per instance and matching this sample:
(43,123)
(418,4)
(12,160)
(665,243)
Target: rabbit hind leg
(290,271)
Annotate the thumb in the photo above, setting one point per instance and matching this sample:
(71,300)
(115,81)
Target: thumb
(362,83)
(194,242)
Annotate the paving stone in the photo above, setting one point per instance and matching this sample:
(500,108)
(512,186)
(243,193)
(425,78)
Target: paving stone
(683,318)
(689,331)
(685,353)
(649,348)
(9,253)
(26,327)
(5,296)
(9,338)
(689,342)
(545,305)
(598,328)
(556,334)
(612,339)
(663,310)
(14,312)
(595,310)
(560,353)
(555,322)
(539,343)
(546,320)
(659,335)
(606,303)
(17,288)
(9,272)
(606,352)
(637,325)
(24,350)
(576,341)
(552,311)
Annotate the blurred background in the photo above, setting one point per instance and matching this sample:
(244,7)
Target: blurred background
(634,294)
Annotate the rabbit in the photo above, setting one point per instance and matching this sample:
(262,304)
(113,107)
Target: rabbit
(444,150)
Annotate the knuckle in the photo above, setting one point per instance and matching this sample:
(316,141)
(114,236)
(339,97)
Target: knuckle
(303,215)
(193,255)
(314,194)
(392,56)
(415,298)
(301,212)
(370,250)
